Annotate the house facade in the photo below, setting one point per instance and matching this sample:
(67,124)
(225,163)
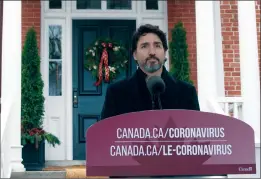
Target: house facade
(224,52)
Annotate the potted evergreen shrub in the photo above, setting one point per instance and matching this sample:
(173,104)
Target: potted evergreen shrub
(33,136)
(178,50)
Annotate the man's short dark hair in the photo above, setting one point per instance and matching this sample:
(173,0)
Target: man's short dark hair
(148,28)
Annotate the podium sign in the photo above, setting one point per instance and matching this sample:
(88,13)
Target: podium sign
(169,143)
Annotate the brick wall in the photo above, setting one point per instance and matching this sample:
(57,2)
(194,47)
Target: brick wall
(180,10)
(230,43)
(258,24)
(31,16)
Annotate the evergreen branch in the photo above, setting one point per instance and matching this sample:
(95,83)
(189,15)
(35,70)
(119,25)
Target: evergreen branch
(179,55)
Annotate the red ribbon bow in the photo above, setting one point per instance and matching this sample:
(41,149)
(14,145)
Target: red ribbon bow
(105,61)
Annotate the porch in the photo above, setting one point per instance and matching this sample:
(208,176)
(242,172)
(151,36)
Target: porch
(210,87)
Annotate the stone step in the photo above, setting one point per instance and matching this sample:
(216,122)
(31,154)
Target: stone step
(39,174)
(64,163)
(52,169)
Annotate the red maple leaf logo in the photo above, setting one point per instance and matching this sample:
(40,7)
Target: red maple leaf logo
(161,155)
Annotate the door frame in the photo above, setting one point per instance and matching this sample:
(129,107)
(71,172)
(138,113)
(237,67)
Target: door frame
(65,18)
(1,33)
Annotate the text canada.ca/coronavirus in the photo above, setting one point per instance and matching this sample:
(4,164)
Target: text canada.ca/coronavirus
(157,133)
(169,150)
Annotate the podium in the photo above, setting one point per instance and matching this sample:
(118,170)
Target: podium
(170,143)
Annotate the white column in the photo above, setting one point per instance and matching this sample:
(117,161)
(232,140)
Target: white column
(250,80)
(11,78)
(219,63)
(206,55)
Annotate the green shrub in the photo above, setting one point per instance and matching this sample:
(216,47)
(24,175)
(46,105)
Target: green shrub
(178,49)
(32,104)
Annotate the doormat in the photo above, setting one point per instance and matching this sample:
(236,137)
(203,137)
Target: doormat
(76,171)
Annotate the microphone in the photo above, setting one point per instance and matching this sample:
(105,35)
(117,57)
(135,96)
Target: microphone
(156,86)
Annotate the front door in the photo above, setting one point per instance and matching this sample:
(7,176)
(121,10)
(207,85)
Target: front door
(87,98)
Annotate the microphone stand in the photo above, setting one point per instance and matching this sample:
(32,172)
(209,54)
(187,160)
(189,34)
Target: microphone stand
(157,96)
(159,101)
(153,102)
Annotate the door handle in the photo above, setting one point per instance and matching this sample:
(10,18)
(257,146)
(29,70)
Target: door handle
(75,98)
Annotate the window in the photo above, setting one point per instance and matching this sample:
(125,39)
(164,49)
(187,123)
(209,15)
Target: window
(55,60)
(152,5)
(119,4)
(55,4)
(88,4)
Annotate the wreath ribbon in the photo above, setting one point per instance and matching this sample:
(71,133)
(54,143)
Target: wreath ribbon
(104,60)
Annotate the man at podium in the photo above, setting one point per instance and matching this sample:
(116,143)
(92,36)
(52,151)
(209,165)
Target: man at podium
(151,87)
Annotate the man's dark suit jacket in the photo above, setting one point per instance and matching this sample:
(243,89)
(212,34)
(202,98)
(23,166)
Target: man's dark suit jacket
(132,95)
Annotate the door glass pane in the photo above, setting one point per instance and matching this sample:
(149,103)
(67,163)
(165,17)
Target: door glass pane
(118,4)
(55,4)
(152,5)
(55,35)
(55,60)
(55,78)
(88,4)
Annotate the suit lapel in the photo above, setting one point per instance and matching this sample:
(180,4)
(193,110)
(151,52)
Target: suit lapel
(142,98)
(169,98)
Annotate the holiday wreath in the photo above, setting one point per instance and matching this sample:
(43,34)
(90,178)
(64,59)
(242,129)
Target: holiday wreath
(105,59)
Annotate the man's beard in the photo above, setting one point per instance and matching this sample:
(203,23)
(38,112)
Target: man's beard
(151,68)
